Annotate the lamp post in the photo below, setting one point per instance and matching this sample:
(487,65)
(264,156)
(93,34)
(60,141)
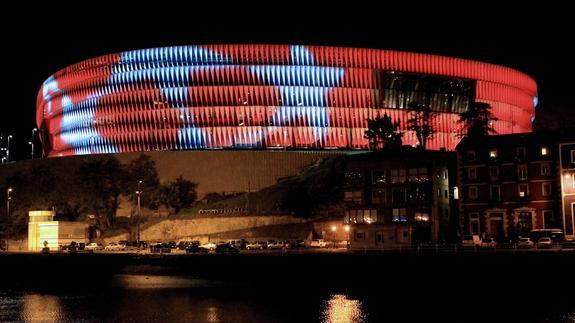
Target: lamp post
(333,230)
(8,149)
(34,130)
(138,194)
(8,198)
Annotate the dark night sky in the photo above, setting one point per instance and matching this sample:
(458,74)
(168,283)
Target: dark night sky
(40,46)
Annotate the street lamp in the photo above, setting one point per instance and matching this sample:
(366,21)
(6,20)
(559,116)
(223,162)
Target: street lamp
(34,130)
(8,149)
(8,198)
(138,194)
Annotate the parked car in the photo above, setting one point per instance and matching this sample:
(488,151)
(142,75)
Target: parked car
(94,246)
(525,243)
(545,242)
(488,243)
(318,243)
(256,245)
(196,248)
(115,247)
(209,246)
(299,244)
(471,240)
(240,244)
(276,245)
(226,248)
(182,245)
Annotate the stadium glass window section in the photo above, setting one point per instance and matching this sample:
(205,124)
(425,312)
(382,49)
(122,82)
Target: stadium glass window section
(398,175)
(378,177)
(355,197)
(353,178)
(418,175)
(441,94)
(399,215)
(378,196)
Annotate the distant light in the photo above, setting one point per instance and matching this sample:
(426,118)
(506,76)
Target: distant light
(535,101)
(543,151)
(346,228)
(333,228)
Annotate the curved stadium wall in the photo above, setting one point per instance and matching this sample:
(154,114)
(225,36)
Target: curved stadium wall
(265,97)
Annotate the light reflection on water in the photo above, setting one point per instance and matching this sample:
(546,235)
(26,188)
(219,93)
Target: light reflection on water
(137,298)
(340,309)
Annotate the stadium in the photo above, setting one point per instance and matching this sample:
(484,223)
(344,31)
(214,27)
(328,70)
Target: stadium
(265,97)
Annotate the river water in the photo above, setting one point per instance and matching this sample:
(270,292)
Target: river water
(146,298)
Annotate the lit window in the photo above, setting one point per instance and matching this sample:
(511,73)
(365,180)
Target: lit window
(398,175)
(523,190)
(399,215)
(421,217)
(353,196)
(543,151)
(493,153)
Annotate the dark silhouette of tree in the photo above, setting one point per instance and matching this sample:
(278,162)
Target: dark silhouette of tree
(382,132)
(179,194)
(477,120)
(421,122)
(99,183)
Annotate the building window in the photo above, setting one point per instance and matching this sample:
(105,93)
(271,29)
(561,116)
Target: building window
(472,173)
(545,189)
(474,223)
(444,174)
(572,156)
(471,155)
(421,217)
(353,178)
(360,216)
(399,215)
(545,169)
(521,152)
(495,193)
(379,237)
(378,196)
(494,172)
(378,177)
(418,175)
(522,172)
(544,151)
(417,192)
(548,220)
(360,236)
(493,153)
(523,190)
(472,192)
(398,195)
(353,197)
(398,175)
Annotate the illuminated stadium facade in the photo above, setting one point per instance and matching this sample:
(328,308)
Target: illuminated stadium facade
(266,97)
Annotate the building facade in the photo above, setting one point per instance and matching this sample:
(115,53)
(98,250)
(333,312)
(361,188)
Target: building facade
(266,97)
(567,178)
(512,184)
(398,198)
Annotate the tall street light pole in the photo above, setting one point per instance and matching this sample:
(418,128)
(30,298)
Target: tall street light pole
(8,149)
(138,194)
(34,130)
(8,198)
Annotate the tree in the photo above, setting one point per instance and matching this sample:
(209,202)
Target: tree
(179,194)
(477,120)
(99,183)
(421,122)
(382,132)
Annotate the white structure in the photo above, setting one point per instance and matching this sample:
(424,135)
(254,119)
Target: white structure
(42,227)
